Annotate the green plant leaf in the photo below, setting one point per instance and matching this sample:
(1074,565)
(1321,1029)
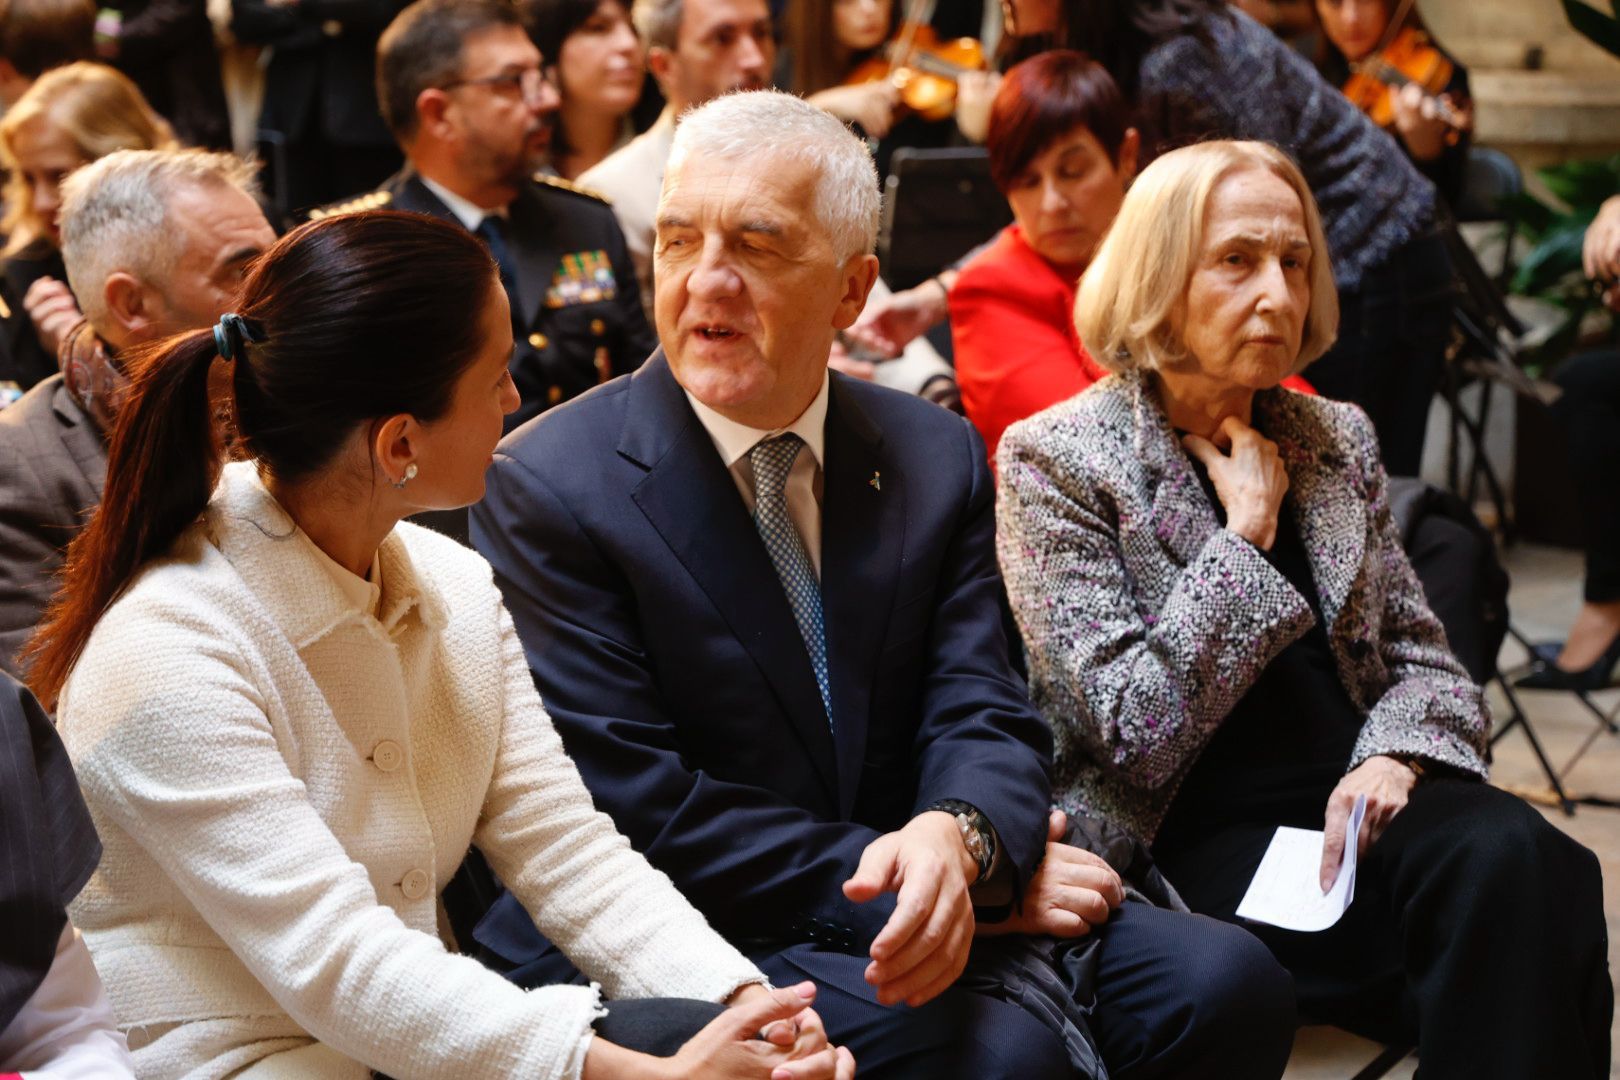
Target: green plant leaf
(1532,216)
(1583,185)
(1556,256)
(1603,30)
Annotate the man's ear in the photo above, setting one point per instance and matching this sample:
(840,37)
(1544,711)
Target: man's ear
(131,309)
(661,62)
(432,107)
(859,275)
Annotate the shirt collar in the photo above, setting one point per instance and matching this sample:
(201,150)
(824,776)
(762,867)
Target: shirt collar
(734,440)
(469,213)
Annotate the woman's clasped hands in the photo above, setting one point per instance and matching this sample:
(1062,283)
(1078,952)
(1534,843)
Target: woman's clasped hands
(765,1035)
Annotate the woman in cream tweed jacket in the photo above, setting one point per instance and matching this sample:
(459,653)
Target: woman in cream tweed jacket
(1226,637)
(291,715)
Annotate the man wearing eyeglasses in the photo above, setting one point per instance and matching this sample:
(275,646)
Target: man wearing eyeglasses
(462,87)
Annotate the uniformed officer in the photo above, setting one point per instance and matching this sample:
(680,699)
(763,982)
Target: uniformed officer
(460,85)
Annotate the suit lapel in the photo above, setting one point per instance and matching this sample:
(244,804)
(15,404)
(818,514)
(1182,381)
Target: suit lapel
(862,537)
(533,240)
(690,498)
(1183,519)
(1329,510)
(83,441)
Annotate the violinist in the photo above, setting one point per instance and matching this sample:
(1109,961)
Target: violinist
(824,42)
(1390,67)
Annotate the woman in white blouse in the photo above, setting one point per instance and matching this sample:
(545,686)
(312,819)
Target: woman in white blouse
(291,715)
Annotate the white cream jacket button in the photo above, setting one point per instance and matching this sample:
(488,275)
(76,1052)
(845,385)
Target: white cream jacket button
(387,755)
(415,885)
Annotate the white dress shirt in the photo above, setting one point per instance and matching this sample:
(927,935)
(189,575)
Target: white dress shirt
(66,1031)
(734,441)
(467,212)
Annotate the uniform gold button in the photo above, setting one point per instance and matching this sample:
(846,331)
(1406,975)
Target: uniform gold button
(598,327)
(539,341)
(554,395)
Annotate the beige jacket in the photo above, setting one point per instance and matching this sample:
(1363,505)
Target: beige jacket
(283,784)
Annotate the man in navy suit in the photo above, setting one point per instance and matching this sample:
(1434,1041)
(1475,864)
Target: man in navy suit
(760,603)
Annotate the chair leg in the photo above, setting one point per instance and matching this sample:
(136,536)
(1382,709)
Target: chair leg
(1517,718)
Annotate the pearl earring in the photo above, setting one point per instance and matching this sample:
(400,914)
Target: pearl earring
(410,474)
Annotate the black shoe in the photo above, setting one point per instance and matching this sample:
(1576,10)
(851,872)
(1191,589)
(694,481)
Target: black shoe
(1545,674)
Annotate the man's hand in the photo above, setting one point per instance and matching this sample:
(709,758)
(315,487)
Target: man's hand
(924,947)
(888,325)
(1387,784)
(1072,891)
(53,311)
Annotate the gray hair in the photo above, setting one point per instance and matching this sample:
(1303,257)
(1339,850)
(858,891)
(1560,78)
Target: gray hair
(658,21)
(115,216)
(774,125)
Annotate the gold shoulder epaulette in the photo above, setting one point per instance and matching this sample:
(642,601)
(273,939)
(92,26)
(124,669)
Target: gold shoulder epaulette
(569,185)
(371,200)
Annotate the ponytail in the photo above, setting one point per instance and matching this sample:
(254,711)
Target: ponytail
(161,467)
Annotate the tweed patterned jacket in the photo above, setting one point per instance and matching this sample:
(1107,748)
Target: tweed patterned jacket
(1146,621)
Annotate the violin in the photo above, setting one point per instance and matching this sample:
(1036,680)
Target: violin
(922,67)
(1409,58)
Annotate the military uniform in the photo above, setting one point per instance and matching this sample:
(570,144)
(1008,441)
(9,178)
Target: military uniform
(576,308)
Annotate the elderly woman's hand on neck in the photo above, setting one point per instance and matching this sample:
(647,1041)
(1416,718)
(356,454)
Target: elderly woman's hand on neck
(1248,475)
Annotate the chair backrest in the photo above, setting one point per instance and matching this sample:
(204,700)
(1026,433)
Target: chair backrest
(938,205)
(1491,176)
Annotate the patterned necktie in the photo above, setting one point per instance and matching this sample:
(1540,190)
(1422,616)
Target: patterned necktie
(772,460)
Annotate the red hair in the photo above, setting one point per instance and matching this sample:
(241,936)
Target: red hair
(1045,98)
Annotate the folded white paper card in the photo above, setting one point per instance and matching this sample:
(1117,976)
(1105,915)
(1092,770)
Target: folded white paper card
(1286,890)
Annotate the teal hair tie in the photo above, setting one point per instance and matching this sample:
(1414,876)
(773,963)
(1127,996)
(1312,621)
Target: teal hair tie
(232,335)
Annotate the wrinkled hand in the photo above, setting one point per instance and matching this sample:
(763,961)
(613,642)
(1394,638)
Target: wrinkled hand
(869,104)
(1387,784)
(1418,120)
(1071,891)
(1249,478)
(1600,251)
(53,311)
(794,1048)
(888,325)
(924,946)
(975,92)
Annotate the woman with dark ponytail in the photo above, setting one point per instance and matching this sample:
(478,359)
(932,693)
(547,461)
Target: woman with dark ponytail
(291,715)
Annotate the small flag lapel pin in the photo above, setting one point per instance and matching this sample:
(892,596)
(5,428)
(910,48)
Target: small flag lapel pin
(876,481)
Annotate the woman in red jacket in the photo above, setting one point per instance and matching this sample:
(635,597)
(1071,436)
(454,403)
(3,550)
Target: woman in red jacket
(1062,151)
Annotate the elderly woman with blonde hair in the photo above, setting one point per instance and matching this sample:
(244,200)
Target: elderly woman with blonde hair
(1226,637)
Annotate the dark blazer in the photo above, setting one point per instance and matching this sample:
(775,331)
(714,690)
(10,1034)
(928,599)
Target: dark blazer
(665,650)
(53,464)
(23,359)
(565,343)
(167,48)
(1145,621)
(323,69)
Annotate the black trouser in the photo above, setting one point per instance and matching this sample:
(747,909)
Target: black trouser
(1477,931)
(656,1026)
(1392,344)
(1590,414)
(1177,996)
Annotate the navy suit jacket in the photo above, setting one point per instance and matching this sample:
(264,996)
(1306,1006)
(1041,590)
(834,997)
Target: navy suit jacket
(665,650)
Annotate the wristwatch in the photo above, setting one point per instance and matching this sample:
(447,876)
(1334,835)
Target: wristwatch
(1413,762)
(977,835)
